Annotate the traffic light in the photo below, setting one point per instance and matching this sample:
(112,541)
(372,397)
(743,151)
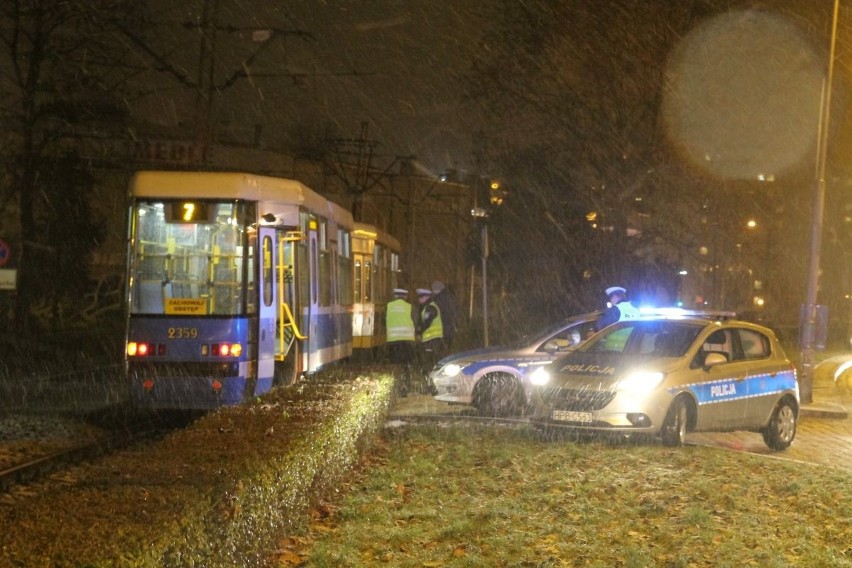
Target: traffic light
(497,193)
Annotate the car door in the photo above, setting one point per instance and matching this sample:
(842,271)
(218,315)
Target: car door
(721,389)
(766,376)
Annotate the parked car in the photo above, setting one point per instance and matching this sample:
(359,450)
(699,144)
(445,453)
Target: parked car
(495,380)
(668,376)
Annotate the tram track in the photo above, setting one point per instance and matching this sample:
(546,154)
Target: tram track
(29,463)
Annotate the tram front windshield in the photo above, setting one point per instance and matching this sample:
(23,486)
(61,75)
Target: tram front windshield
(192,258)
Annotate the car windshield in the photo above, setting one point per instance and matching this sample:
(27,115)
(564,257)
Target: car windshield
(666,338)
(543,334)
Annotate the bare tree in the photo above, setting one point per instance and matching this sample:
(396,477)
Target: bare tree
(573,94)
(58,78)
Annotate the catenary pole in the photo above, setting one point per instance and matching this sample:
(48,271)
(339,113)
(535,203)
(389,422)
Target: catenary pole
(810,309)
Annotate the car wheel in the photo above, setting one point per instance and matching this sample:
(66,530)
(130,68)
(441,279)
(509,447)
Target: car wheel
(498,395)
(673,431)
(781,430)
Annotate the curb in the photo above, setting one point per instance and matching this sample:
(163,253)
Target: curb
(823,410)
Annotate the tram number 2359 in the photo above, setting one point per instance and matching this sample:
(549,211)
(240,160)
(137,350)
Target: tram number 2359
(183,333)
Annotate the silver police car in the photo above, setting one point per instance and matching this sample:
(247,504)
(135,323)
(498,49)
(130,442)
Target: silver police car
(495,379)
(666,376)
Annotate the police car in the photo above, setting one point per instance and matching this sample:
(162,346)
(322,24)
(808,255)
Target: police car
(495,380)
(666,376)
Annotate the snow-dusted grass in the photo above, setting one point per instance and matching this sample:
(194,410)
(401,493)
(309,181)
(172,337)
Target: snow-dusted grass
(483,496)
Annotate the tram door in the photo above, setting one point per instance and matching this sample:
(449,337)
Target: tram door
(267,310)
(291,280)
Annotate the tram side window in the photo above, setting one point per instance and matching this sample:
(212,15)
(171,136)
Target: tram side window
(377,273)
(344,268)
(267,271)
(304,275)
(325,266)
(394,271)
(251,294)
(368,281)
(382,289)
(358,281)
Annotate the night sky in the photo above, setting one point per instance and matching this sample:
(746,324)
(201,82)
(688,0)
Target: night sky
(396,65)
(743,90)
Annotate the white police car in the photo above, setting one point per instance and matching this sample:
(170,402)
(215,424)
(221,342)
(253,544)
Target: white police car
(494,380)
(669,376)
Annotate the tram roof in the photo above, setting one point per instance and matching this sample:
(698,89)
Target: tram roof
(371,231)
(224,185)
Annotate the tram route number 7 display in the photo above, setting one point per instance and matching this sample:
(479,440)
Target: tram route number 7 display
(188,212)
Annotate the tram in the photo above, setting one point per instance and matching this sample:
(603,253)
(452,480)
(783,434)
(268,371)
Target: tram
(235,282)
(376,265)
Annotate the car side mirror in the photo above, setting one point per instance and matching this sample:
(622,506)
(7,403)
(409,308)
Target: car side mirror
(550,346)
(713,359)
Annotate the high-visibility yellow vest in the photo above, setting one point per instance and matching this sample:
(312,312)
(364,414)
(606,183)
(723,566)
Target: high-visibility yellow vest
(626,310)
(399,323)
(436,328)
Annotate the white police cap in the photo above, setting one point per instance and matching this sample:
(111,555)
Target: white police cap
(400,291)
(424,292)
(612,290)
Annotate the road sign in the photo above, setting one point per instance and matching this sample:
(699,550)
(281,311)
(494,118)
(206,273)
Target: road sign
(8,279)
(5,252)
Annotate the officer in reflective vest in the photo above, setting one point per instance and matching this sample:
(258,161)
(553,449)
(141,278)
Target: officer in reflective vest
(399,319)
(620,308)
(430,330)
(400,325)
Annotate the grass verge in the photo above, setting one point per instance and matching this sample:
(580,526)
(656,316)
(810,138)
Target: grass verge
(494,496)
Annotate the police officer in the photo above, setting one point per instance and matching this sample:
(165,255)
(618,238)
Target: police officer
(399,320)
(620,308)
(430,331)
(447,304)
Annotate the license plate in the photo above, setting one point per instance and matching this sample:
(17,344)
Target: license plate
(571,416)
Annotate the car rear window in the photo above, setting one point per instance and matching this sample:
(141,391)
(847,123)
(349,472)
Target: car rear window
(755,345)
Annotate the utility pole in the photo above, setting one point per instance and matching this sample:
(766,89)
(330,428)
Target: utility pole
(206,76)
(810,310)
(481,215)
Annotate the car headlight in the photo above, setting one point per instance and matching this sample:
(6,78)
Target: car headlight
(641,381)
(539,377)
(450,370)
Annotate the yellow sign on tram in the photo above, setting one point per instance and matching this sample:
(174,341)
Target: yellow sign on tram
(185,306)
